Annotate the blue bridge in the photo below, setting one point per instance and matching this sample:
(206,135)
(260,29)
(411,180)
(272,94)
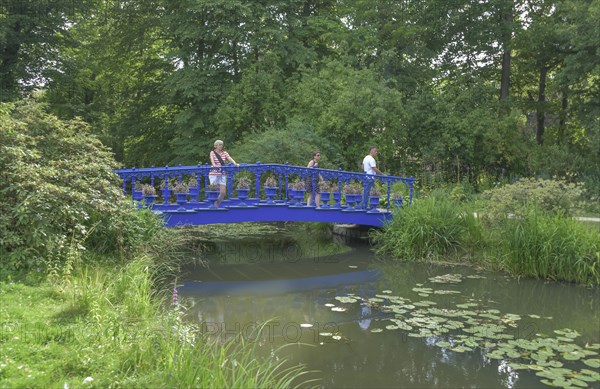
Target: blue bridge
(266,193)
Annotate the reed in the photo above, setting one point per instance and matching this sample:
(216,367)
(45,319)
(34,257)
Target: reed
(552,246)
(429,229)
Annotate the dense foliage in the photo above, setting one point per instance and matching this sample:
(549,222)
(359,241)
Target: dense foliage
(59,194)
(446,89)
(516,199)
(538,240)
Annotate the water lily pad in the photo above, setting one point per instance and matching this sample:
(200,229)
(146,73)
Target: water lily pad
(424,303)
(306,325)
(325,334)
(461,349)
(528,345)
(346,299)
(534,316)
(519,366)
(352,266)
(338,309)
(593,362)
(577,382)
(542,354)
(374,330)
(565,339)
(489,316)
(535,367)
(569,333)
(586,374)
(466,305)
(443,344)
(330,305)
(471,343)
(496,354)
(566,348)
(514,354)
(555,364)
(386,291)
(447,278)
(453,324)
(512,316)
(336,337)
(443,291)
(422,290)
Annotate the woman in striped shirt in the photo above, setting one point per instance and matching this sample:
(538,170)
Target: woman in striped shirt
(218,157)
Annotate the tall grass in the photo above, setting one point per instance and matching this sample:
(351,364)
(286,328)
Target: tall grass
(431,228)
(551,246)
(128,338)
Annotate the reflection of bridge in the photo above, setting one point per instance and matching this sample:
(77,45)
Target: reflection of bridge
(260,203)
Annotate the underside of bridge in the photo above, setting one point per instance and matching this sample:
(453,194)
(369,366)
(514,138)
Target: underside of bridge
(202,213)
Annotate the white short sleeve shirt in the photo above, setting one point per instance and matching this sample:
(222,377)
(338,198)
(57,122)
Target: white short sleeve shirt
(368,164)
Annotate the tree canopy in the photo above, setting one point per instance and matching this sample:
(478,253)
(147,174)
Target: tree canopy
(462,88)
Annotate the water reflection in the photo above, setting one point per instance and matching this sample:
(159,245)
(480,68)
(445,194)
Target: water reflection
(235,299)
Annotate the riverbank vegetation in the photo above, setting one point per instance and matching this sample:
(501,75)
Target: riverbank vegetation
(525,228)
(108,326)
(87,290)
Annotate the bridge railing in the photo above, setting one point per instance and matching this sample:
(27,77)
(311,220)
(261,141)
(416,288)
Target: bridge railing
(287,177)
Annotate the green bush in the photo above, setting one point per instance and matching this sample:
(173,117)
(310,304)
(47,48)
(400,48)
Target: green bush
(551,246)
(434,227)
(58,193)
(549,195)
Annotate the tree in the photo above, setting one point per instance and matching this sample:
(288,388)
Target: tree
(31,35)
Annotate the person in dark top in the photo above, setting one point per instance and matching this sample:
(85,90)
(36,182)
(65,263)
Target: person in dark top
(314,163)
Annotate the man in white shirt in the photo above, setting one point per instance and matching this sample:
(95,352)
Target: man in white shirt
(370,168)
(369,163)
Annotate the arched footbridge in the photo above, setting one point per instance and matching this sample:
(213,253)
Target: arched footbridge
(266,193)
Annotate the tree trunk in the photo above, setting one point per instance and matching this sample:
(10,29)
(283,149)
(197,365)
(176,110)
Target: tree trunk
(563,118)
(507,21)
(541,106)
(505,82)
(8,64)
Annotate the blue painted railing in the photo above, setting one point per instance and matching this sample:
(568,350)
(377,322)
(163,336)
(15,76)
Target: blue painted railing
(279,203)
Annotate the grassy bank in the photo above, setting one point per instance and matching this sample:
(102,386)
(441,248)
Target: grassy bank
(108,327)
(534,243)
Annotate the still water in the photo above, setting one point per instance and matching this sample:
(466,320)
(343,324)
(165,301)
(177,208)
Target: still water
(291,284)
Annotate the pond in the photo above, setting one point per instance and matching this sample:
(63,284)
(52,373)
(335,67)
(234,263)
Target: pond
(357,321)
